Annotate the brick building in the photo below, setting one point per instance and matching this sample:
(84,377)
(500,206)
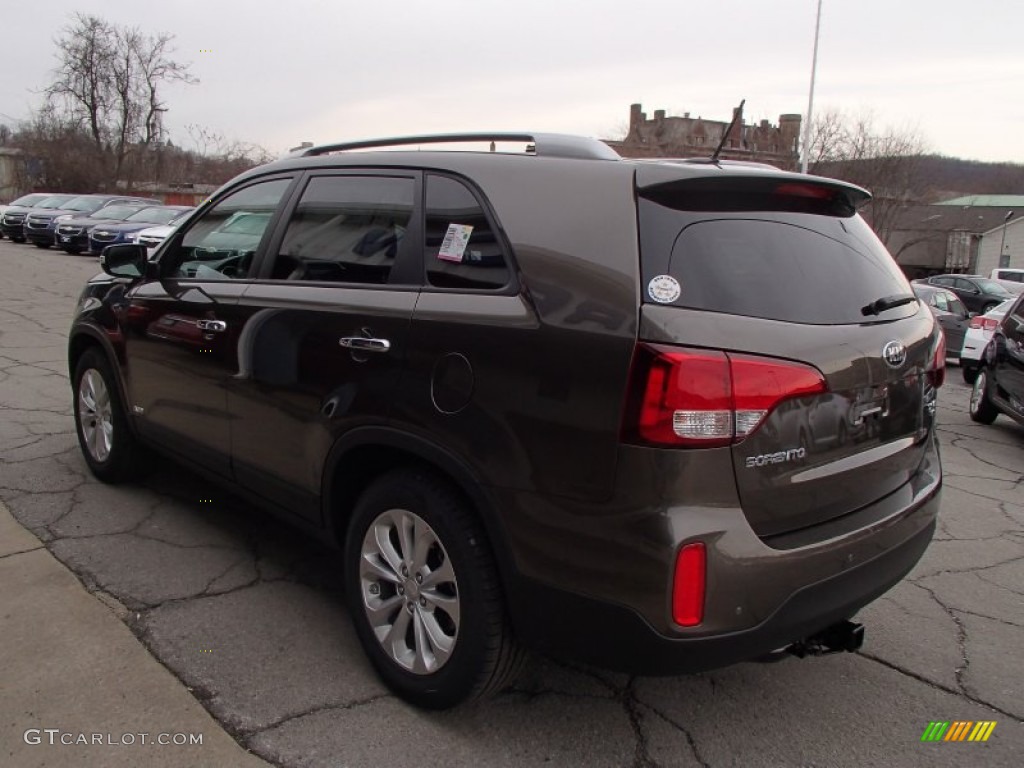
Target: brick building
(686,136)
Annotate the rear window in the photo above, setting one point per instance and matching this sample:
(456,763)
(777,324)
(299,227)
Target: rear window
(779,265)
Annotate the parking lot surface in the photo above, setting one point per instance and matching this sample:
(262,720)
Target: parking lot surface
(249,616)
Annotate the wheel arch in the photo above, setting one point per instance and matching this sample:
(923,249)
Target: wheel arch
(85,337)
(365,453)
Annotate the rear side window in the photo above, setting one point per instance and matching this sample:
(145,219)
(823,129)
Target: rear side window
(779,265)
(346,229)
(462,250)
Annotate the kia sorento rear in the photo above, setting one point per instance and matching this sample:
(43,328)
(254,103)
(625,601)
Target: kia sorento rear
(778,465)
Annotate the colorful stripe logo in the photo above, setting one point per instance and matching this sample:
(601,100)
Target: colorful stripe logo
(958,730)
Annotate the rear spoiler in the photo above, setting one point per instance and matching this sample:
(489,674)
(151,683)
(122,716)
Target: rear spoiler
(750,189)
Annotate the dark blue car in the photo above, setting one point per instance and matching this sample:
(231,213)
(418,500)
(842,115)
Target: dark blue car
(14,216)
(72,234)
(121,232)
(41,225)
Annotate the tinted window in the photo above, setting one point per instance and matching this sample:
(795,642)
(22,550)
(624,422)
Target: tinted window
(956,306)
(461,248)
(992,288)
(346,229)
(212,249)
(939,300)
(795,267)
(942,281)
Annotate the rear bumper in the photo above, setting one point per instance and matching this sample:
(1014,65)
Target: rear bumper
(617,638)
(607,600)
(974,348)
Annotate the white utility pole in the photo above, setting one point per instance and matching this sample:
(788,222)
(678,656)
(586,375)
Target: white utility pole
(806,148)
(1004,261)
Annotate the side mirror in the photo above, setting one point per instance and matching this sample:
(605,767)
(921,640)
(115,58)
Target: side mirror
(124,260)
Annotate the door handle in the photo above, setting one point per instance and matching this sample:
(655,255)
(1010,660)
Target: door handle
(212,325)
(364,344)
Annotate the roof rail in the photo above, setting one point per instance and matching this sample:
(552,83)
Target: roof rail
(545,144)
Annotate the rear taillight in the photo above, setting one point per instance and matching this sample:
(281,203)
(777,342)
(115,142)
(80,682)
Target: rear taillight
(984,323)
(704,398)
(688,585)
(937,363)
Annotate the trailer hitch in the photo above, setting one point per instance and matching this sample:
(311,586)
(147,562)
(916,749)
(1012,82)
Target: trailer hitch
(844,636)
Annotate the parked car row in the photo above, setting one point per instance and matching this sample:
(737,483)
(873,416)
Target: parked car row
(999,372)
(968,334)
(86,223)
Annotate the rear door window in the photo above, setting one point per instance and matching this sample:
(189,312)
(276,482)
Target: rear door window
(347,229)
(796,267)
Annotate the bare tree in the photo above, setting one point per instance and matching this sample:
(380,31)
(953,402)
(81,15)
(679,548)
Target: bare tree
(108,83)
(58,154)
(888,162)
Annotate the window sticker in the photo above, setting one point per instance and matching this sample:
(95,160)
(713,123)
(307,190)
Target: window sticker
(664,289)
(455,241)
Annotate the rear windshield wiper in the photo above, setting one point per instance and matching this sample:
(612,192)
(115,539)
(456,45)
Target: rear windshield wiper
(887,302)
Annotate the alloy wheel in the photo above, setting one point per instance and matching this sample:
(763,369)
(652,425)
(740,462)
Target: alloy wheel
(95,415)
(409,591)
(978,392)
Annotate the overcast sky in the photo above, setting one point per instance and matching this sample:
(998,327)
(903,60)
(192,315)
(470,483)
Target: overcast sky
(325,70)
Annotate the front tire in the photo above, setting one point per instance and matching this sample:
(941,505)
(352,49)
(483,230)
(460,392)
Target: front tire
(980,407)
(107,442)
(424,592)
(41,245)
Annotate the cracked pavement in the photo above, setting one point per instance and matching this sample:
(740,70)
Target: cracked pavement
(249,616)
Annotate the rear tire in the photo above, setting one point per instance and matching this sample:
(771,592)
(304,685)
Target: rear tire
(980,407)
(424,593)
(41,245)
(969,372)
(110,448)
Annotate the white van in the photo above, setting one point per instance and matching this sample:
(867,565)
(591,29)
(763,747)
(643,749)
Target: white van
(1004,273)
(1011,279)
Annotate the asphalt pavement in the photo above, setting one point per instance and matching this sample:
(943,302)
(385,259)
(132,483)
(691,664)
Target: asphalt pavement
(173,610)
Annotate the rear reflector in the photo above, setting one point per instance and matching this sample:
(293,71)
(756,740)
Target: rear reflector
(688,585)
(704,398)
(937,365)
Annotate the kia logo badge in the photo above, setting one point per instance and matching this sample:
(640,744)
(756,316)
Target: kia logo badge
(894,354)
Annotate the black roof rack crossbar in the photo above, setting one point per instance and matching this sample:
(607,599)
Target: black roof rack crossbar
(545,144)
